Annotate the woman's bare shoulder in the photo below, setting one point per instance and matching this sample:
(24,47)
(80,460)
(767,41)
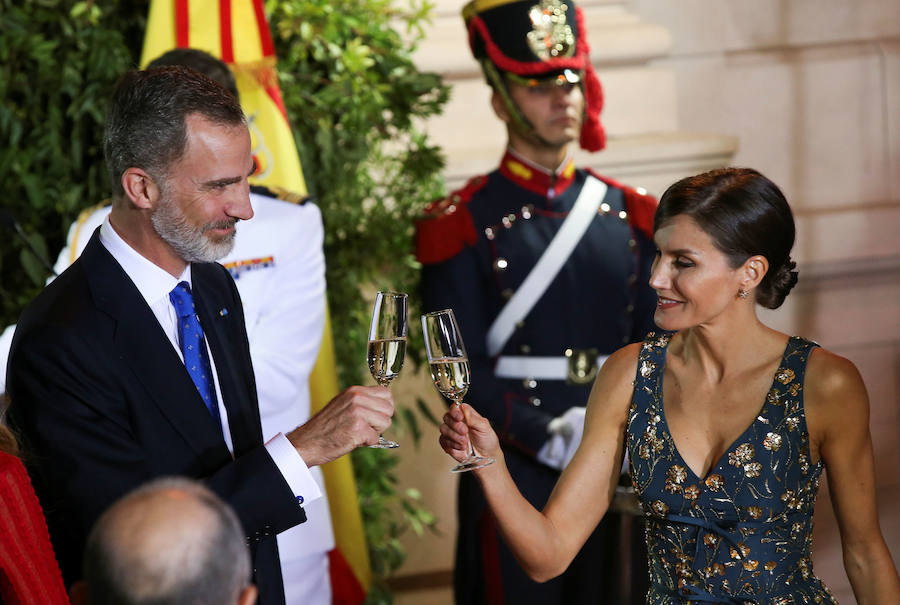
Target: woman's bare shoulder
(831,375)
(625,358)
(834,389)
(614,384)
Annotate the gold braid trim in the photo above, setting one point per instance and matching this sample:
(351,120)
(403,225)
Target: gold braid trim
(79,225)
(479,6)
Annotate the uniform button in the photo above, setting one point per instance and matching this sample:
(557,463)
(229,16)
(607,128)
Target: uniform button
(507,294)
(624,340)
(629,308)
(455,199)
(535,401)
(520,324)
(632,243)
(623,215)
(604,207)
(631,279)
(529,383)
(524,349)
(500,264)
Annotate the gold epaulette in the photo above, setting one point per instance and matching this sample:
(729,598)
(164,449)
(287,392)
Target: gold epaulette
(79,224)
(280,193)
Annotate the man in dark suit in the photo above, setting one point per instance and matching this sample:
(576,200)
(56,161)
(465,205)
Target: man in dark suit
(134,363)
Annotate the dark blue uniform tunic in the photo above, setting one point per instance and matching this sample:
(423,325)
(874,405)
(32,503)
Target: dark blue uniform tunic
(477,248)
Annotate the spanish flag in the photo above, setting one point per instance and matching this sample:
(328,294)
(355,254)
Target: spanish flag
(237,32)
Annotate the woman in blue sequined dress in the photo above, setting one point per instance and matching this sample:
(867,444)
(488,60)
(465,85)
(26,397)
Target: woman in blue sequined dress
(728,424)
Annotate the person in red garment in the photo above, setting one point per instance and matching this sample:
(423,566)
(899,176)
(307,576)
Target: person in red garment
(29,574)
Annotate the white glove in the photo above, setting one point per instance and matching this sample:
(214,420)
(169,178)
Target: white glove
(565,437)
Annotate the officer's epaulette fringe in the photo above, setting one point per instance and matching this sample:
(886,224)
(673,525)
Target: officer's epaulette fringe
(280,193)
(85,214)
(447,226)
(83,217)
(640,206)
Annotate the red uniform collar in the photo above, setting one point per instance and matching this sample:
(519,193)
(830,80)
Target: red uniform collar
(536,178)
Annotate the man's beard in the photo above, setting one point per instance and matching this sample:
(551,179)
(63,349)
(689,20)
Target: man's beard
(189,241)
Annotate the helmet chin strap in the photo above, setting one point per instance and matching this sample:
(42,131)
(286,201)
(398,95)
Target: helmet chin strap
(518,121)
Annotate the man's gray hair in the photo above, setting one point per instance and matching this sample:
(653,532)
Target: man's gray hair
(146,124)
(170,542)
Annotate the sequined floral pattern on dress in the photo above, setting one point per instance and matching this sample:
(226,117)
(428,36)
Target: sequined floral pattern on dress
(743,533)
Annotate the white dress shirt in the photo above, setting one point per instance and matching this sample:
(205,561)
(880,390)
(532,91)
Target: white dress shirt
(154,284)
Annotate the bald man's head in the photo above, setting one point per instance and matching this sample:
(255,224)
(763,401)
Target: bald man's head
(171,542)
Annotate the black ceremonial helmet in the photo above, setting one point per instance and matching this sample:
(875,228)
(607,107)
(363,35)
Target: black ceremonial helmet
(536,43)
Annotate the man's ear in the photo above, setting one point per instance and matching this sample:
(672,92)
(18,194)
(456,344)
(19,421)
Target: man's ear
(140,188)
(499,107)
(248,596)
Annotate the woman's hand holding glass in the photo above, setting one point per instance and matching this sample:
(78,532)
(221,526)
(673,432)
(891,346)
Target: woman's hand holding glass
(463,427)
(449,367)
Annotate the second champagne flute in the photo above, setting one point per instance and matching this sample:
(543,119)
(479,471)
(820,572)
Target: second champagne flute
(387,343)
(450,370)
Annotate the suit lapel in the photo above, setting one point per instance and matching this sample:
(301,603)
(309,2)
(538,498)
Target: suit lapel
(144,347)
(220,320)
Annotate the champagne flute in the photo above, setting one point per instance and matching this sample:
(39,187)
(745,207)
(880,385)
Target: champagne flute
(450,370)
(387,343)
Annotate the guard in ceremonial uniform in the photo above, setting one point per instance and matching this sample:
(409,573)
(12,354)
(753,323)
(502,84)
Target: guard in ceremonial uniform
(546,267)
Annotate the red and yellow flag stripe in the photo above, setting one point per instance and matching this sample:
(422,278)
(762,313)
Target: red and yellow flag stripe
(237,32)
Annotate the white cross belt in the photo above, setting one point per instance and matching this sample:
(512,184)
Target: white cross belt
(538,368)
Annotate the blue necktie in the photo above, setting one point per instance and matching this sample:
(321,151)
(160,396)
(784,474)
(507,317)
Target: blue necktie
(193,346)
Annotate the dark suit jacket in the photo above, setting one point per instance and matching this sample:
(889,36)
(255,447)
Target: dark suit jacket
(104,404)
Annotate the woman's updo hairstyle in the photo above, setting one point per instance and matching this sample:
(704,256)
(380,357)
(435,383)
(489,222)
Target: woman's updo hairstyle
(745,214)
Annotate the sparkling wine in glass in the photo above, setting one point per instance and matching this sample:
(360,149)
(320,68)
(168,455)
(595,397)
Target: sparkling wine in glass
(387,343)
(449,367)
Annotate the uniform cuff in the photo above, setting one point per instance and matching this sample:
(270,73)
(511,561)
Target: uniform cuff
(293,469)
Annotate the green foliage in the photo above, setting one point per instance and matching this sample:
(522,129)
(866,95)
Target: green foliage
(58,63)
(355,100)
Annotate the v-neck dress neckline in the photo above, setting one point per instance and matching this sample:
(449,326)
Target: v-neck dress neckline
(664,421)
(743,533)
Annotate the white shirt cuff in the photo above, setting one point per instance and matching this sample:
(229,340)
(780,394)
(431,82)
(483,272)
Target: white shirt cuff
(293,469)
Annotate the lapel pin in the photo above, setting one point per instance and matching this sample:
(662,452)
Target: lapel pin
(223,312)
